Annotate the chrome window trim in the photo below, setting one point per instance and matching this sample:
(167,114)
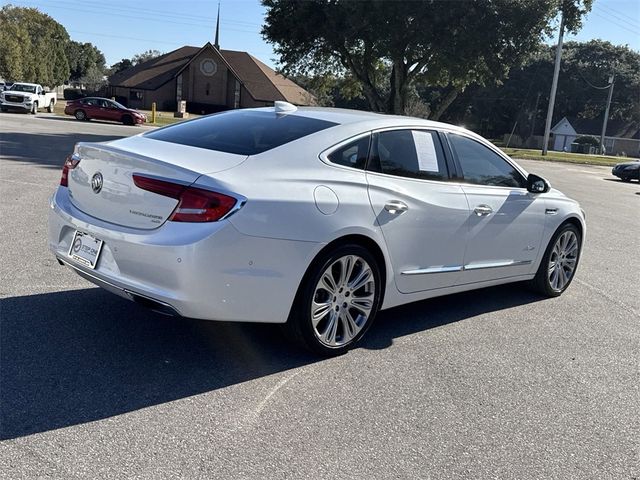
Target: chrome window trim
(324,155)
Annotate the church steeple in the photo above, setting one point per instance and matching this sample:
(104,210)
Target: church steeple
(216,43)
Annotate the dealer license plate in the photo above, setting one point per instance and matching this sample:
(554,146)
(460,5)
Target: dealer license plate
(85,249)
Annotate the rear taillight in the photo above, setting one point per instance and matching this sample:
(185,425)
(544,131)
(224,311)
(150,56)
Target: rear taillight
(194,204)
(70,163)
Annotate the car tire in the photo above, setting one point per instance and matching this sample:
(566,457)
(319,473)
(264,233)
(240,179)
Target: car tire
(332,311)
(625,179)
(127,120)
(50,107)
(560,262)
(34,108)
(3,109)
(80,115)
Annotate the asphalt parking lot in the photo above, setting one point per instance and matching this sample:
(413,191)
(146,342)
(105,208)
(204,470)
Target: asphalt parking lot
(497,383)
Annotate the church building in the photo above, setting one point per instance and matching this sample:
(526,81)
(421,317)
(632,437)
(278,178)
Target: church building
(207,78)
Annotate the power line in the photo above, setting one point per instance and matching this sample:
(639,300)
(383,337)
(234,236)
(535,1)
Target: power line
(126,38)
(619,25)
(617,16)
(157,20)
(590,84)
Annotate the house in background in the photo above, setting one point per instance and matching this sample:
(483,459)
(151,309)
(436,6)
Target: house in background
(207,78)
(622,138)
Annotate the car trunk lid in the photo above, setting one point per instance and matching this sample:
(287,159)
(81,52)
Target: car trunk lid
(102,184)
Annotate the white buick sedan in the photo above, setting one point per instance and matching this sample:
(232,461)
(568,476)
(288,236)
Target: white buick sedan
(317,218)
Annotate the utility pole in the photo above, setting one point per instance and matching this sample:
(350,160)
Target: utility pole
(554,87)
(606,114)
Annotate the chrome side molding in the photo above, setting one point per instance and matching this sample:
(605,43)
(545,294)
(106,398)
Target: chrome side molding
(472,266)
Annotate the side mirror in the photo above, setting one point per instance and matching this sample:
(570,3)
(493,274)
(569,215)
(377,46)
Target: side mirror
(536,184)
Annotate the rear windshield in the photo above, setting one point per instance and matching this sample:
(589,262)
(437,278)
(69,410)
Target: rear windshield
(244,132)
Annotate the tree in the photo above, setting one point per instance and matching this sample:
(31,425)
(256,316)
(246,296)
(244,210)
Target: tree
(32,47)
(145,56)
(120,66)
(93,79)
(494,110)
(391,46)
(83,59)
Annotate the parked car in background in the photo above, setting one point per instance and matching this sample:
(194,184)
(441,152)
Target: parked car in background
(28,97)
(310,216)
(95,108)
(627,171)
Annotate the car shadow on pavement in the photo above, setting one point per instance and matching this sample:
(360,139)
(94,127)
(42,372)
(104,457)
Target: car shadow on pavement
(78,356)
(45,149)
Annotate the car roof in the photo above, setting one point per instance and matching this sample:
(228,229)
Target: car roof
(345,116)
(25,83)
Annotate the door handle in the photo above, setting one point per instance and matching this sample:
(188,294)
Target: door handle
(396,207)
(483,210)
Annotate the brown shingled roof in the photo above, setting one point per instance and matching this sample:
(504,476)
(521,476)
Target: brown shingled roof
(262,82)
(154,73)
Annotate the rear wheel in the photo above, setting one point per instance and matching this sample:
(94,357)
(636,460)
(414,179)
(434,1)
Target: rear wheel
(50,107)
(560,261)
(80,115)
(337,301)
(34,108)
(127,120)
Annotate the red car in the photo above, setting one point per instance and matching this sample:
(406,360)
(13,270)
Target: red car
(103,109)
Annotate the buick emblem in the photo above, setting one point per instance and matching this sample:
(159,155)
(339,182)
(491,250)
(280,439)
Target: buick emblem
(96,183)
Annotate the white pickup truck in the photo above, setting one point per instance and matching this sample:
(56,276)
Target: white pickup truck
(28,97)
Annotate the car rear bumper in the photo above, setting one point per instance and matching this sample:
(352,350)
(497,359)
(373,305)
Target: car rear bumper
(200,270)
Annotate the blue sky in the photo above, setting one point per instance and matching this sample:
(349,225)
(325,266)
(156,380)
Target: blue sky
(122,28)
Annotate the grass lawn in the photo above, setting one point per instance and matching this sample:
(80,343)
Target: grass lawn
(563,157)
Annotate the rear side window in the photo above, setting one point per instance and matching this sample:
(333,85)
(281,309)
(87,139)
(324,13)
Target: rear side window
(247,132)
(352,154)
(409,153)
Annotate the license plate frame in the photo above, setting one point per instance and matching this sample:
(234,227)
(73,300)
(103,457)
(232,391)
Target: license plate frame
(85,249)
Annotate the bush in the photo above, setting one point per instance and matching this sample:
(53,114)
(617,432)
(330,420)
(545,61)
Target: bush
(587,140)
(72,94)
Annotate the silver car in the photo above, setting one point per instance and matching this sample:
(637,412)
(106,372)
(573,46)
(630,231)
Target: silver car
(311,216)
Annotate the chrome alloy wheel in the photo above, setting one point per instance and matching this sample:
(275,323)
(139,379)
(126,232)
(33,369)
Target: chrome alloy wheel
(342,301)
(563,260)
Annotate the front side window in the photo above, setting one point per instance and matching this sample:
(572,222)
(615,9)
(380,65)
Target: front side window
(409,153)
(353,154)
(481,166)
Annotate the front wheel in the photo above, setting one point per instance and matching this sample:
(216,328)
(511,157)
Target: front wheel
(50,107)
(560,261)
(127,120)
(337,301)
(34,108)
